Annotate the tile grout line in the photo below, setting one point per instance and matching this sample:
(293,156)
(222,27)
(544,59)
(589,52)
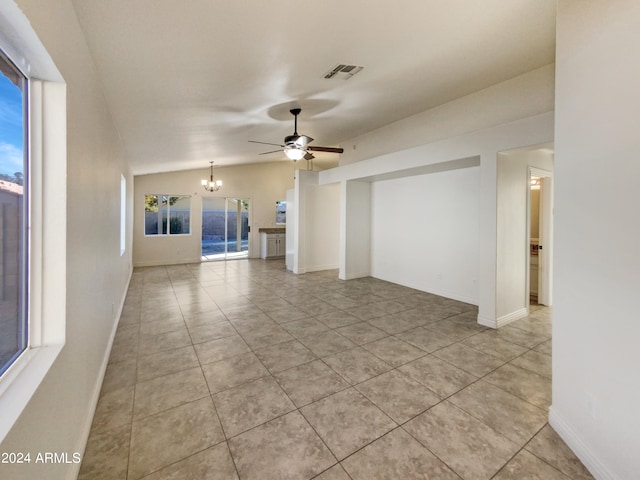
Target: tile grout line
(322,359)
(224,434)
(135,385)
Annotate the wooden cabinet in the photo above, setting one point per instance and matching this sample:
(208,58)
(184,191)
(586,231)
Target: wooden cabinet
(272,245)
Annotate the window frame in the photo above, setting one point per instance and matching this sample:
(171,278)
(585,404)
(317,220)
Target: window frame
(46,134)
(24,244)
(123,215)
(168,215)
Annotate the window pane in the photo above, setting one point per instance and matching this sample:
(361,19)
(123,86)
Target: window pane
(150,214)
(123,214)
(163,210)
(281,212)
(167,214)
(13,210)
(180,215)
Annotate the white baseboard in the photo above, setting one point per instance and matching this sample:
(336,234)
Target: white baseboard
(575,443)
(511,317)
(320,268)
(352,276)
(504,320)
(452,296)
(74,469)
(161,263)
(487,322)
(428,289)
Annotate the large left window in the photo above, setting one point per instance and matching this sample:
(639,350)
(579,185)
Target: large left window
(33,213)
(14,176)
(167,214)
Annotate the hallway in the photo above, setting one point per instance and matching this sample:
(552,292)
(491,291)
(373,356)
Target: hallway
(240,369)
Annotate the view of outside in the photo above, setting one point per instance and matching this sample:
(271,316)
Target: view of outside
(225,227)
(159,208)
(13,292)
(281,212)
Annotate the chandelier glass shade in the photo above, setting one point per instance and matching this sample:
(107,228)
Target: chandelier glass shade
(211,185)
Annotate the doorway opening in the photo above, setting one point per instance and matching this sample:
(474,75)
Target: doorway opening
(225,228)
(540,228)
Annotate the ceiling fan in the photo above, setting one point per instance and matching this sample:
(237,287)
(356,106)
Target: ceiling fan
(296,146)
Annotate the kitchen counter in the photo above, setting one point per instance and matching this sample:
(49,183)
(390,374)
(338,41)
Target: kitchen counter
(272,230)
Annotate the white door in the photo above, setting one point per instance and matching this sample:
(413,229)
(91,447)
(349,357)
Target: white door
(545,235)
(545,249)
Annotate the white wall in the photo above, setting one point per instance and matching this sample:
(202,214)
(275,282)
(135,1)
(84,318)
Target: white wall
(264,185)
(464,151)
(57,419)
(355,230)
(425,231)
(315,224)
(596,325)
(290,232)
(512,242)
(322,235)
(509,115)
(522,96)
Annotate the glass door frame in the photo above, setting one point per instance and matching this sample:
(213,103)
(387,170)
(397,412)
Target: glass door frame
(227,254)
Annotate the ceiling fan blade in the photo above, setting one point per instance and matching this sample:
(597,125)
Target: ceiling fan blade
(326,149)
(294,145)
(266,143)
(272,151)
(304,140)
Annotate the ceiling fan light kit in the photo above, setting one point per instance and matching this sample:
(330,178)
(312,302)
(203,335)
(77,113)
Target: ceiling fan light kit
(294,153)
(295,146)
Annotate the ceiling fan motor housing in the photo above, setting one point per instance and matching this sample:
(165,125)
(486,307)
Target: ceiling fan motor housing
(298,141)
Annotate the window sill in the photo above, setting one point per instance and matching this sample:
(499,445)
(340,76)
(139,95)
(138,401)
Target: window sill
(20,383)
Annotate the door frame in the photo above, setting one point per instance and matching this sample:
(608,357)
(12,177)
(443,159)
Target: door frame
(226,198)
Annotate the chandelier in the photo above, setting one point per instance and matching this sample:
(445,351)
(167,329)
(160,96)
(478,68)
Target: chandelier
(211,185)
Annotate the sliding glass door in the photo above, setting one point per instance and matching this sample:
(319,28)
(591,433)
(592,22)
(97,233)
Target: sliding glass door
(225,228)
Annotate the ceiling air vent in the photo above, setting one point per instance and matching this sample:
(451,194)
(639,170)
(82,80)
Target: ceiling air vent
(343,72)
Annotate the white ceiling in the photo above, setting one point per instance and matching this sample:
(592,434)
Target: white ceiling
(192,81)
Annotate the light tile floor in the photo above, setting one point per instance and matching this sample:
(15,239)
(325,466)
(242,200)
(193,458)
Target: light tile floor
(242,370)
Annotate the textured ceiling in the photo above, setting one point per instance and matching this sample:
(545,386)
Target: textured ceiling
(191,81)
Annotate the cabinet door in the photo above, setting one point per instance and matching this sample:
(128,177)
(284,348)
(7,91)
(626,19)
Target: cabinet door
(272,246)
(281,246)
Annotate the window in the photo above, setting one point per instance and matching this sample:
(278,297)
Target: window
(13,211)
(123,214)
(281,212)
(33,282)
(167,214)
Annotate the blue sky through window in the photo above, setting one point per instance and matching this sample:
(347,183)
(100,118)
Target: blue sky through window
(11,128)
